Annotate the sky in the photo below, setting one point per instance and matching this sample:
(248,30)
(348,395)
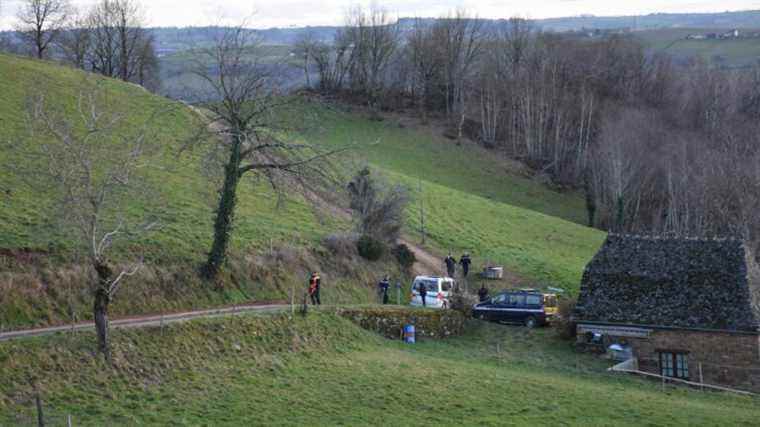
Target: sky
(291,13)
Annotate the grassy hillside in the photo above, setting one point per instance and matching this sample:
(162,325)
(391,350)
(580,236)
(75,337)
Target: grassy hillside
(472,201)
(272,249)
(188,195)
(729,52)
(325,371)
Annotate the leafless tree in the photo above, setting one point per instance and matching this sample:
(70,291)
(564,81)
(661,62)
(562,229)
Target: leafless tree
(75,40)
(378,208)
(375,39)
(460,38)
(249,136)
(41,21)
(424,55)
(305,48)
(93,161)
(120,44)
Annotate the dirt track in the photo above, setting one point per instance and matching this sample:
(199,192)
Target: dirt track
(147,321)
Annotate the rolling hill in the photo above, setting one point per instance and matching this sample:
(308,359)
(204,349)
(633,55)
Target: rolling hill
(472,200)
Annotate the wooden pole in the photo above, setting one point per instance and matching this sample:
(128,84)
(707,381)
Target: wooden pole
(701,378)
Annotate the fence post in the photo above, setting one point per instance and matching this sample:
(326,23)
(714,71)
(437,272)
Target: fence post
(701,378)
(68,421)
(38,404)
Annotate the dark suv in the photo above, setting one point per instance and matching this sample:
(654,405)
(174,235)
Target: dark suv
(528,307)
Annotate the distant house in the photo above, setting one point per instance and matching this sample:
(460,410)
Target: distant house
(687,308)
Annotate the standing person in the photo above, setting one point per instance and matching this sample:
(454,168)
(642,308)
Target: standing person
(314,284)
(483,293)
(423,293)
(465,261)
(451,265)
(383,286)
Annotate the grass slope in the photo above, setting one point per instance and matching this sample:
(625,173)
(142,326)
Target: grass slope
(48,287)
(188,196)
(741,52)
(326,371)
(472,202)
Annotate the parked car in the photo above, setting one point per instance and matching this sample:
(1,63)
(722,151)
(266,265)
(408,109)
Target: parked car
(438,291)
(527,306)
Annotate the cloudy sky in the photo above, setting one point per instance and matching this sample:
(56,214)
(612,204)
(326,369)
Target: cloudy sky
(286,13)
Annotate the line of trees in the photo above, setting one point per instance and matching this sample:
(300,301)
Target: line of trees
(109,38)
(657,147)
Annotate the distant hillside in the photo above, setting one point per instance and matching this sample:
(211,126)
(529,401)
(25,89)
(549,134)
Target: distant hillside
(179,38)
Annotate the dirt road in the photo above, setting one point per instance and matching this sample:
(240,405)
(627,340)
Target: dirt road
(147,321)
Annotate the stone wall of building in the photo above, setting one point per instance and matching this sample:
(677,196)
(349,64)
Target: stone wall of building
(727,359)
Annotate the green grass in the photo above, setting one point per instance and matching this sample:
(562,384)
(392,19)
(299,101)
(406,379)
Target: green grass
(471,201)
(733,52)
(326,371)
(188,197)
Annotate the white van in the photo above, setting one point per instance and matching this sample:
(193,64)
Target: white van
(438,291)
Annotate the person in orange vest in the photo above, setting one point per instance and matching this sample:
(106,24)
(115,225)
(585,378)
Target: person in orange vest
(314,284)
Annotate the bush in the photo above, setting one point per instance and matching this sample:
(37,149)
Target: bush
(370,248)
(564,323)
(343,245)
(404,256)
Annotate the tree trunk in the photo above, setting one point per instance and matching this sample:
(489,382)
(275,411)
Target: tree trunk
(225,213)
(100,309)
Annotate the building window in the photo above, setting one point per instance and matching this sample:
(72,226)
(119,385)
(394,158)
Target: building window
(674,365)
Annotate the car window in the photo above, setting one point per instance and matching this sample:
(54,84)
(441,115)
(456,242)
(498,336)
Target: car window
(499,299)
(533,300)
(516,299)
(430,285)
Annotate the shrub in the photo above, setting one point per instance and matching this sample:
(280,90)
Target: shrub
(370,248)
(564,322)
(404,256)
(343,245)
(377,207)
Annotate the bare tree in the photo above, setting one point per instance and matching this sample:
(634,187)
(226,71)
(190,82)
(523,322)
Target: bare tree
(378,209)
(424,55)
(375,39)
(75,40)
(119,40)
(41,21)
(247,131)
(460,38)
(306,48)
(92,161)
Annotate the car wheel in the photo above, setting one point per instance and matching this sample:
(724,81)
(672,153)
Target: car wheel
(531,322)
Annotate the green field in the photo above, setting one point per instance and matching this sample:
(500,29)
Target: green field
(325,371)
(472,201)
(739,52)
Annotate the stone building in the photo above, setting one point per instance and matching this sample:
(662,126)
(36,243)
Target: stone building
(687,308)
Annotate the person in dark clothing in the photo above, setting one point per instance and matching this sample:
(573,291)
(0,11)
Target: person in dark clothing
(465,261)
(451,265)
(314,285)
(383,287)
(423,293)
(483,293)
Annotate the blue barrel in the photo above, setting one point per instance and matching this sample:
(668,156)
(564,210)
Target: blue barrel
(409,334)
